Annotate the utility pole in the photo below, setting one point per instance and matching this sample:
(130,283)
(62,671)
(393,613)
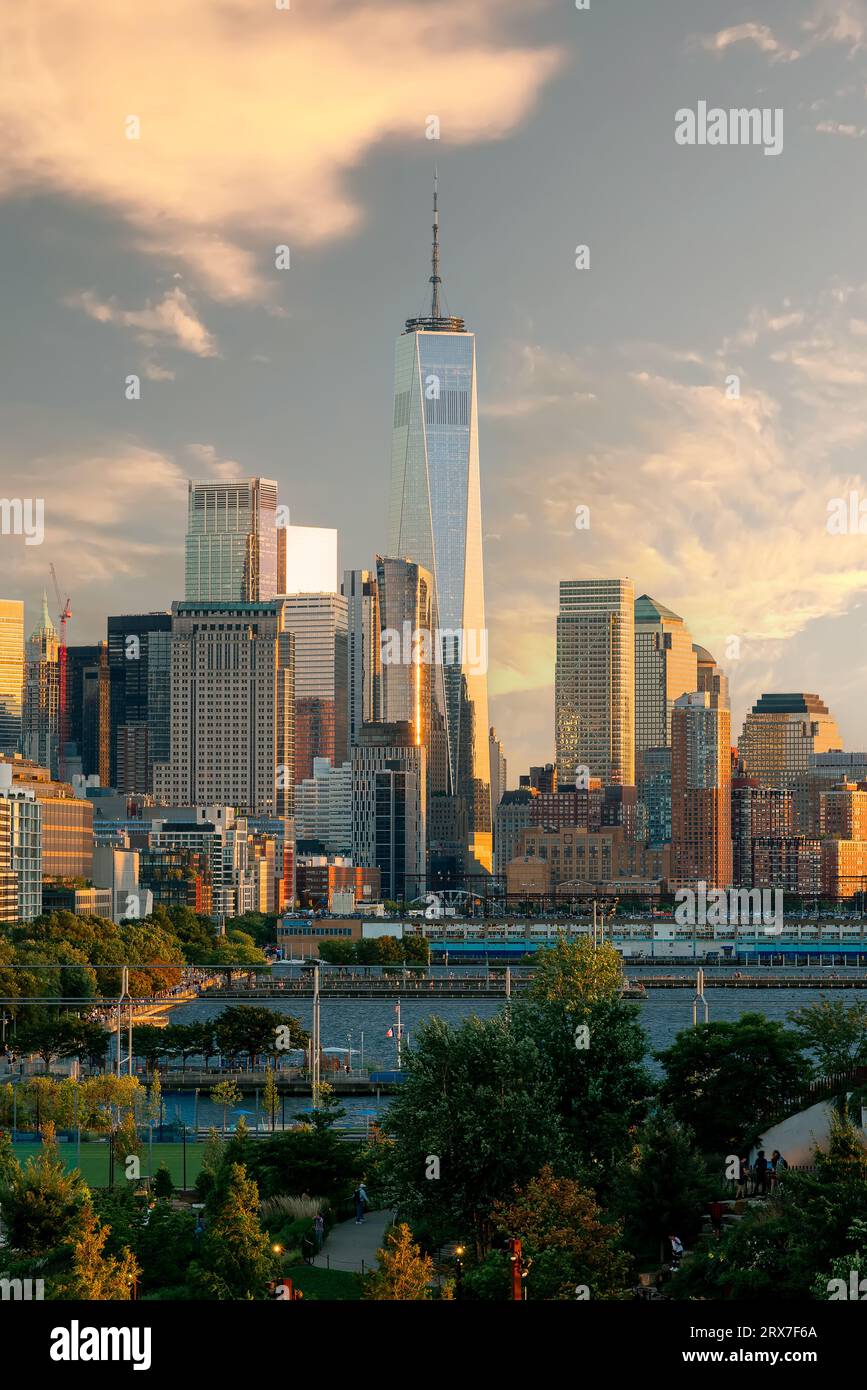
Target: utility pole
(314,1041)
(699,998)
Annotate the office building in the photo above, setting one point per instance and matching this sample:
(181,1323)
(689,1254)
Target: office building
(41,737)
(139,660)
(323,806)
(653,769)
(497,757)
(711,677)
(435,521)
(514,814)
(231,544)
(363,648)
(306,560)
(665,668)
(20,850)
(318,623)
(232,734)
(780,734)
(11,675)
(701,836)
(758,812)
(594,689)
(66,821)
(389,808)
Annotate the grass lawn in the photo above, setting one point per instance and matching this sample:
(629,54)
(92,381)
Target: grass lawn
(324,1284)
(94,1161)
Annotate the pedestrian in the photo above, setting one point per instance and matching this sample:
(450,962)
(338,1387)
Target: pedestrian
(359,1197)
(778,1167)
(760,1170)
(319,1230)
(676,1250)
(716,1215)
(743,1178)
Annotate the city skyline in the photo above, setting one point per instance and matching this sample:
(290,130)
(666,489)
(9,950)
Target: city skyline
(603,389)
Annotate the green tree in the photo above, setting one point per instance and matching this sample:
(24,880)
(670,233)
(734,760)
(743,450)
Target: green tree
(664,1190)
(163,1185)
(270,1096)
(403,1273)
(236,1261)
(575,974)
(835,1032)
(250,1030)
(476,1114)
(96,1276)
(727,1080)
(225,1093)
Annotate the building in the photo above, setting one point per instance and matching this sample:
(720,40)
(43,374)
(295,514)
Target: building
(299,937)
(322,879)
(653,769)
(41,735)
(231,544)
(844,868)
(66,821)
(306,560)
(116,867)
(389,808)
(543,779)
(665,668)
(232,729)
(843,811)
(498,769)
(580,860)
(11,675)
(577,806)
(711,677)
(139,661)
(435,520)
(758,812)
(780,734)
(363,654)
(823,772)
(318,623)
(20,850)
(594,684)
(88,705)
(222,839)
(514,815)
(701,839)
(84,902)
(793,863)
(323,806)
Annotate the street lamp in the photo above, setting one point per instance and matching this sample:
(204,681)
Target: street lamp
(459,1271)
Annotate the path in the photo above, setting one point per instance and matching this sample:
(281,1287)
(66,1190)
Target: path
(353,1247)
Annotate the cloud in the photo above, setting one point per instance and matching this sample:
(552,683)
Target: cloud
(174,319)
(252,119)
(759,35)
(854,132)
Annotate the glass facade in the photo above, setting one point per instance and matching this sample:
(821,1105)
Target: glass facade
(435,520)
(594,684)
(231,547)
(11,674)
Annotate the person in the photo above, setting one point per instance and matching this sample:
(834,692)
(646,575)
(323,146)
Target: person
(359,1197)
(716,1215)
(676,1250)
(200,1225)
(743,1178)
(760,1168)
(319,1230)
(778,1167)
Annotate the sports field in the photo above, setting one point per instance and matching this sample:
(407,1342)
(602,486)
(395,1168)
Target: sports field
(95,1161)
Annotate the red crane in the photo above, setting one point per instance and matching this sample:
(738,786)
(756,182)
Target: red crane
(64,615)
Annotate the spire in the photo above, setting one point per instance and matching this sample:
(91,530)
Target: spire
(435,256)
(45,621)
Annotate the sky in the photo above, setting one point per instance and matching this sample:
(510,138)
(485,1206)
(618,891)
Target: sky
(610,387)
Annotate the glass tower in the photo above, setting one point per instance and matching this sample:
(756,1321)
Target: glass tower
(231,549)
(435,520)
(11,674)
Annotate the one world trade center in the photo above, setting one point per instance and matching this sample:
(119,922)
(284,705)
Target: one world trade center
(435,520)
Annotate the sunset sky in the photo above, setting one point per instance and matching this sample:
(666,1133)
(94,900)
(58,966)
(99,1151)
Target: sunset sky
(603,387)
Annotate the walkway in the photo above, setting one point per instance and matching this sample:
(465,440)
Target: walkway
(353,1247)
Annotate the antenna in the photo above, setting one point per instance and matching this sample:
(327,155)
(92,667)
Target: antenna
(435,256)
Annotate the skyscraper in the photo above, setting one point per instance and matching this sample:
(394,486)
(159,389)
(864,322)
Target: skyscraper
(139,646)
(359,590)
(498,769)
(701,828)
(665,668)
(11,674)
(231,547)
(318,623)
(435,520)
(232,709)
(594,685)
(42,694)
(780,734)
(389,800)
(711,677)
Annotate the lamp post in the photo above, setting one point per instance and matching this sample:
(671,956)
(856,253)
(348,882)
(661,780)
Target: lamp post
(459,1272)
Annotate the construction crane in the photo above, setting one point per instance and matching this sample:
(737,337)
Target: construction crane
(64,615)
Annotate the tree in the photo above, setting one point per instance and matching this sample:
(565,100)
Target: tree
(575,974)
(664,1190)
(403,1272)
(149,1043)
(225,1093)
(250,1030)
(95,1275)
(163,1185)
(476,1114)
(41,1204)
(727,1080)
(270,1096)
(563,1233)
(835,1032)
(598,1068)
(236,1260)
